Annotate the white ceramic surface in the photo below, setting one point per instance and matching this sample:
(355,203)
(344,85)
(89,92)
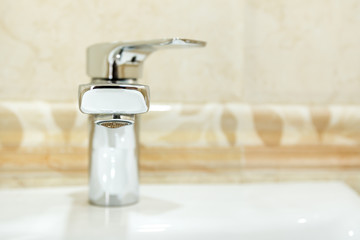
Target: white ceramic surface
(296,211)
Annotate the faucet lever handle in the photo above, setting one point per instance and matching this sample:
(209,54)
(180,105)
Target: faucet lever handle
(124,60)
(152,45)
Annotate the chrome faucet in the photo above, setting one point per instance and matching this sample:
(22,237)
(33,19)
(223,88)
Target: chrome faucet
(113,99)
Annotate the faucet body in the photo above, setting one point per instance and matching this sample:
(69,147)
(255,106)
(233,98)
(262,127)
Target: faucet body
(113,171)
(113,99)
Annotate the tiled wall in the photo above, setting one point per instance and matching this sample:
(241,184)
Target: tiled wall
(277,87)
(258,51)
(229,142)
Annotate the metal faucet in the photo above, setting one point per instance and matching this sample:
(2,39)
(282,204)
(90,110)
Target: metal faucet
(113,99)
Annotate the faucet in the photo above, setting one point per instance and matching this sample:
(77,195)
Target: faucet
(113,99)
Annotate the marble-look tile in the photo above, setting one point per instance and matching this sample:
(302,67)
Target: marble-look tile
(259,51)
(301,51)
(43,135)
(45,124)
(218,140)
(42,45)
(274,87)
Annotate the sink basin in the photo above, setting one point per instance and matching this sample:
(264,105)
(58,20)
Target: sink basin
(296,211)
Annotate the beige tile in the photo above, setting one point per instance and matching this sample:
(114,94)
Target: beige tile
(43,46)
(301,51)
(268,125)
(11,131)
(258,51)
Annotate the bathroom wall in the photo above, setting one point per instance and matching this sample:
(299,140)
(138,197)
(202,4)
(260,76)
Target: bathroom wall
(273,96)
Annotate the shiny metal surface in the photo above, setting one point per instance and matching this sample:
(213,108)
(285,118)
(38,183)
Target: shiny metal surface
(97,118)
(113,166)
(124,60)
(113,179)
(113,99)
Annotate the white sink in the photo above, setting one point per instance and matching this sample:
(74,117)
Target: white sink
(296,211)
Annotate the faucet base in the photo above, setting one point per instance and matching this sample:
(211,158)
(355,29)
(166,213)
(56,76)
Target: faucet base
(113,165)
